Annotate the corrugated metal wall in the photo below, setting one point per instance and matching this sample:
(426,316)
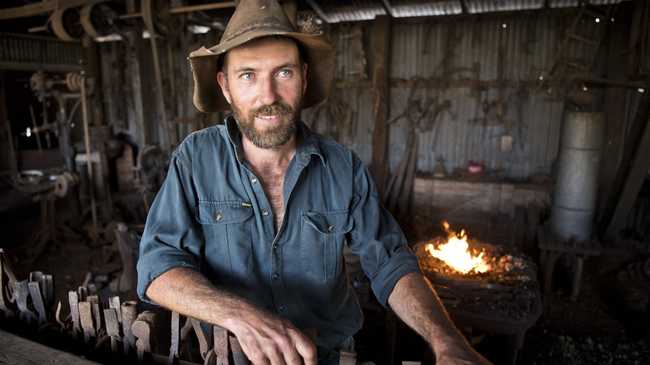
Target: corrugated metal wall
(457,51)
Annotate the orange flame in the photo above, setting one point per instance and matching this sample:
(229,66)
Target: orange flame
(456,254)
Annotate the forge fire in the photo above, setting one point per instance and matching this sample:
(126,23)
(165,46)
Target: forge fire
(458,255)
(455,253)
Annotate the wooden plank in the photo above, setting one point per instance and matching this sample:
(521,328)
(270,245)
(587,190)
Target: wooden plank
(317,9)
(202,7)
(633,183)
(40,8)
(614,108)
(136,108)
(634,134)
(380,51)
(7,151)
(17,350)
(388,7)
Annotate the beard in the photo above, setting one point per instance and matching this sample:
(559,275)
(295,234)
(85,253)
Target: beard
(272,137)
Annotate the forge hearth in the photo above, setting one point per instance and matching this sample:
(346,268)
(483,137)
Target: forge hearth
(500,294)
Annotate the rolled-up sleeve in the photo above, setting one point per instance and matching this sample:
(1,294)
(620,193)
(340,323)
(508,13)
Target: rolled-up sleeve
(171,237)
(377,238)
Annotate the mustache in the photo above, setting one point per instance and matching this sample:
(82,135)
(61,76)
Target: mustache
(277,108)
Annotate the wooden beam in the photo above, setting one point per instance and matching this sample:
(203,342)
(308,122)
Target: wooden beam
(615,129)
(463,6)
(41,8)
(380,50)
(319,11)
(17,350)
(202,7)
(8,162)
(388,8)
(137,109)
(635,178)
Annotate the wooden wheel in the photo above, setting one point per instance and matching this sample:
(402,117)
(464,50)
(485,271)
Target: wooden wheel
(66,25)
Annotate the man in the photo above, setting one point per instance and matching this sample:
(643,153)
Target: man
(247,231)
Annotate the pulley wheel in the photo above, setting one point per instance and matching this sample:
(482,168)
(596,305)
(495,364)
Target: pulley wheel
(66,25)
(99,19)
(156,16)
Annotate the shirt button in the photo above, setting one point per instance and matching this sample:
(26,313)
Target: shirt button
(275,246)
(330,228)
(254,180)
(276,276)
(282,308)
(218,216)
(265,212)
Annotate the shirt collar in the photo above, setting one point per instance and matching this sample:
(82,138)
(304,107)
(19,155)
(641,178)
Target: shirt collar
(307,141)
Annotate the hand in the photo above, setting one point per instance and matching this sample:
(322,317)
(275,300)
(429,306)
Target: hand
(267,339)
(460,355)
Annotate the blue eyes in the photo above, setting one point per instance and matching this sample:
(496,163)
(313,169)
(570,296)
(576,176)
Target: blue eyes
(285,74)
(247,76)
(282,74)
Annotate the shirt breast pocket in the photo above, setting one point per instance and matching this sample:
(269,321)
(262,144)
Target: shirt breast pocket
(322,237)
(227,230)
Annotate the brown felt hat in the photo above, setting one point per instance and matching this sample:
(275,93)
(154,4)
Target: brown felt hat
(254,19)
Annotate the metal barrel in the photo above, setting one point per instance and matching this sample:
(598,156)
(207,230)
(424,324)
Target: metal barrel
(576,185)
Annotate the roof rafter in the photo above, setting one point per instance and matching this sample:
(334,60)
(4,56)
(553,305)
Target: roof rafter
(319,11)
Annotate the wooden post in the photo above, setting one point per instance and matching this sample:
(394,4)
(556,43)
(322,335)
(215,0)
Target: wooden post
(91,68)
(8,162)
(614,108)
(380,52)
(135,103)
(637,173)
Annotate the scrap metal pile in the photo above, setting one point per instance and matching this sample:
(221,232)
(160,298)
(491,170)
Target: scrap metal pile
(106,328)
(501,282)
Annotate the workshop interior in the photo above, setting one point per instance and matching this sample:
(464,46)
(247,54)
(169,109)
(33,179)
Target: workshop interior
(510,139)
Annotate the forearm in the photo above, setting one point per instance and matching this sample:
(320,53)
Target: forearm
(188,292)
(415,301)
(264,337)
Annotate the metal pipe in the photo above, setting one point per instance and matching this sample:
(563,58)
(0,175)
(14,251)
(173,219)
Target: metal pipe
(576,185)
(84,115)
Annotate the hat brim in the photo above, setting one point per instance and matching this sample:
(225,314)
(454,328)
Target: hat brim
(319,55)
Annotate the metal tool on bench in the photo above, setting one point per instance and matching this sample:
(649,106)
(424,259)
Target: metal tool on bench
(40,289)
(129,315)
(218,355)
(86,321)
(174,349)
(142,328)
(73,301)
(7,285)
(113,328)
(21,292)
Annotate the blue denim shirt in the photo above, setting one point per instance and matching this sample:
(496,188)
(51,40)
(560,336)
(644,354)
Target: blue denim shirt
(212,215)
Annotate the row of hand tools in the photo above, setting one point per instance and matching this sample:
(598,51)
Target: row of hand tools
(111,326)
